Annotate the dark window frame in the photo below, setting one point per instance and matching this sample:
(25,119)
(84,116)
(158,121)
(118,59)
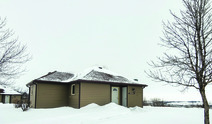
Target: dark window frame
(73,89)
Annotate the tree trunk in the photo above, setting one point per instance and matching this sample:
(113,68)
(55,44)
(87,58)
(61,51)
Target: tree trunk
(206,106)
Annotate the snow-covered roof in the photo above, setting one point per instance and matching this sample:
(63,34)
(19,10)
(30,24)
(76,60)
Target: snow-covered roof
(101,74)
(97,74)
(8,90)
(57,76)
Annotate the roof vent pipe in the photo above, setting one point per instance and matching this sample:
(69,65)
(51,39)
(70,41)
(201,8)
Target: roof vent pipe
(135,79)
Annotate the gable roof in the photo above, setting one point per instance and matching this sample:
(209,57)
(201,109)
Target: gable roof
(7,90)
(93,74)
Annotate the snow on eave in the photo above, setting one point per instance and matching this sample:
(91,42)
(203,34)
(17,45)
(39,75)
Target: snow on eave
(110,82)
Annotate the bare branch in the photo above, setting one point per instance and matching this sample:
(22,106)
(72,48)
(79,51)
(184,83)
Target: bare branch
(12,55)
(190,35)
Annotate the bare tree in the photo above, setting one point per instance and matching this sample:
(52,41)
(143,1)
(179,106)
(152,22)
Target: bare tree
(190,38)
(12,55)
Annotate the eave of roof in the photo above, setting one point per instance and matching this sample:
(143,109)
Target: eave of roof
(89,81)
(44,81)
(112,83)
(10,94)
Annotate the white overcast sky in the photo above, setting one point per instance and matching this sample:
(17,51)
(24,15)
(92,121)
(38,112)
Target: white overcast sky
(72,35)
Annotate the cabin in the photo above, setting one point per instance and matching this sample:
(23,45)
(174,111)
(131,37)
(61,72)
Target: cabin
(8,95)
(94,85)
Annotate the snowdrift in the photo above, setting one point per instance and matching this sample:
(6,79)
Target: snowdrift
(108,114)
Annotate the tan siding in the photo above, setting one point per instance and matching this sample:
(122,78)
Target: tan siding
(32,95)
(51,95)
(135,98)
(94,93)
(0,98)
(15,98)
(74,99)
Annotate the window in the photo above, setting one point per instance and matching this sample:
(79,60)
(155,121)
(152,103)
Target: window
(115,89)
(73,89)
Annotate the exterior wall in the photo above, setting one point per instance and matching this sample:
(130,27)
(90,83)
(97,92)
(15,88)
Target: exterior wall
(74,99)
(12,98)
(15,98)
(51,95)
(135,98)
(3,98)
(32,95)
(94,93)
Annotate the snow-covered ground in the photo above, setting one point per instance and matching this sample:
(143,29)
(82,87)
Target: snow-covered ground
(107,114)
